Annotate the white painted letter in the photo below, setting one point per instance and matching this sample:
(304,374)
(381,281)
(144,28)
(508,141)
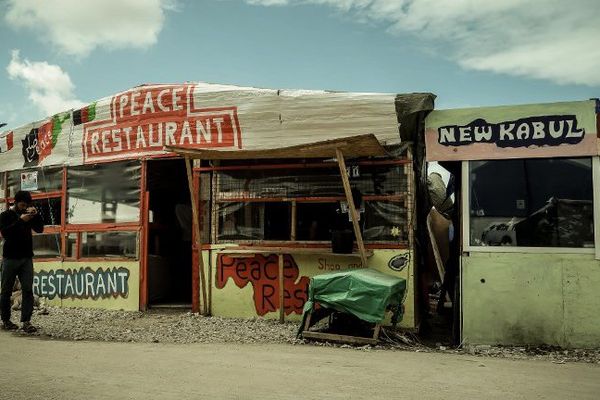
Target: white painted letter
(505,131)
(176,99)
(148,104)
(447,135)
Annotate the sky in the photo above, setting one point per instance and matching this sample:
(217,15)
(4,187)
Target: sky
(62,54)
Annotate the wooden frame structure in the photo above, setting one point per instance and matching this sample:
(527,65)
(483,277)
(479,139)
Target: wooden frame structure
(349,147)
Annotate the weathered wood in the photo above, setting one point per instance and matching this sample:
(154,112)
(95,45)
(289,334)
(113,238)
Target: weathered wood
(351,207)
(294,219)
(197,231)
(376,331)
(332,337)
(288,250)
(353,146)
(307,322)
(281,289)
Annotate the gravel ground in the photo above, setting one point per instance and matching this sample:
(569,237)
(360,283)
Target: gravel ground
(185,327)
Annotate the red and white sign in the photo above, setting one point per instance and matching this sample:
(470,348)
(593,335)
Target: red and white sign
(6,142)
(144,120)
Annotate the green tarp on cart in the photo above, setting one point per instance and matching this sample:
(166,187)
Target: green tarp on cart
(364,293)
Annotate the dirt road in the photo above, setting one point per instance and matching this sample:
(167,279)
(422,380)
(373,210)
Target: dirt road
(31,368)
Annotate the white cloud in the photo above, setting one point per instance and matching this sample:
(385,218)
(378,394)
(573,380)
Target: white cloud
(77,27)
(50,88)
(555,40)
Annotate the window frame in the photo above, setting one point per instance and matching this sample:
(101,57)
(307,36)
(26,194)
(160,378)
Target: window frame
(78,229)
(48,229)
(64,229)
(404,198)
(466,221)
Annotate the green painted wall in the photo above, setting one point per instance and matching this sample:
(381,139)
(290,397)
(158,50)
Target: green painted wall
(519,298)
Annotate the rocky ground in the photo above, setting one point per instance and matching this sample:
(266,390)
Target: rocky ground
(184,327)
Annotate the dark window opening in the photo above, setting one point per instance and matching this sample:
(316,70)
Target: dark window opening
(315,221)
(533,202)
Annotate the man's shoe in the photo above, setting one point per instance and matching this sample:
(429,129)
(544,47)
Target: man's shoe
(28,328)
(9,326)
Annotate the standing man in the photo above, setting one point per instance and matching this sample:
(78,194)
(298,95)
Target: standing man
(16,224)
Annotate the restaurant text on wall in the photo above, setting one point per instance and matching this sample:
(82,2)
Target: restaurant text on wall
(82,283)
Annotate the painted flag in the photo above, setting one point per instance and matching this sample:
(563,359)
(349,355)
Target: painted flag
(48,134)
(6,142)
(85,114)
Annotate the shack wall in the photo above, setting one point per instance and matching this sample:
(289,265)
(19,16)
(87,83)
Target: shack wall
(246,286)
(111,285)
(524,298)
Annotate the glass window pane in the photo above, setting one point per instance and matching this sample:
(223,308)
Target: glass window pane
(48,180)
(254,221)
(71,245)
(46,245)
(109,244)
(385,221)
(104,193)
(49,210)
(535,202)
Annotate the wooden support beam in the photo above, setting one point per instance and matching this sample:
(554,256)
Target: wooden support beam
(281,289)
(197,268)
(294,218)
(351,207)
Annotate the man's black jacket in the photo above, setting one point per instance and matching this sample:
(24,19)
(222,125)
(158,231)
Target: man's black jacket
(17,234)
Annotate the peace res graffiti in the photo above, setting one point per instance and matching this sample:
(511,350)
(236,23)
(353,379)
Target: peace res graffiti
(84,283)
(263,273)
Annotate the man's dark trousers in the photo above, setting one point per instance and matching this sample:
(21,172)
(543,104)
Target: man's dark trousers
(11,268)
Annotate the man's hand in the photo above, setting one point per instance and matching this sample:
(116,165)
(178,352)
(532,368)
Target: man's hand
(31,212)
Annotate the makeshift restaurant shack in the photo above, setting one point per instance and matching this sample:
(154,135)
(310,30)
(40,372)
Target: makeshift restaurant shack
(528,215)
(111,182)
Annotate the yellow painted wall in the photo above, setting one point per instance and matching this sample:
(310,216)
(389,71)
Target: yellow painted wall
(232,301)
(129,303)
(518,298)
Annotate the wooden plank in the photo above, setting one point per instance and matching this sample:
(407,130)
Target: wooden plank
(196,267)
(288,250)
(143,237)
(307,322)
(294,219)
(298,165)
(281,289)
(351,206)
(353,146)
(213,209)
(376,331)
(332,337)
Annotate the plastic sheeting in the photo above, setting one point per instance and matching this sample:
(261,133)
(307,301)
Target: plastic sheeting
(364,293)
(141,121)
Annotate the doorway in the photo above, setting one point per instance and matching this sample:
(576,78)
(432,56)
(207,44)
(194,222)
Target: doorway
(440,277)
(169,246)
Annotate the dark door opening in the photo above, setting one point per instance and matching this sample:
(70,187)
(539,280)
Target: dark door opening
(169,235)
(439,279)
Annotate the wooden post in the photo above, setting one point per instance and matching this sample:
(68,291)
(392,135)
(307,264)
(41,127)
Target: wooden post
(281,305)
(196,267)
(351,206)
(294,218)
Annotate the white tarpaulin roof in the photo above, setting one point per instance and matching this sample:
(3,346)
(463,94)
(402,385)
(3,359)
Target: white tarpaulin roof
(141,121)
